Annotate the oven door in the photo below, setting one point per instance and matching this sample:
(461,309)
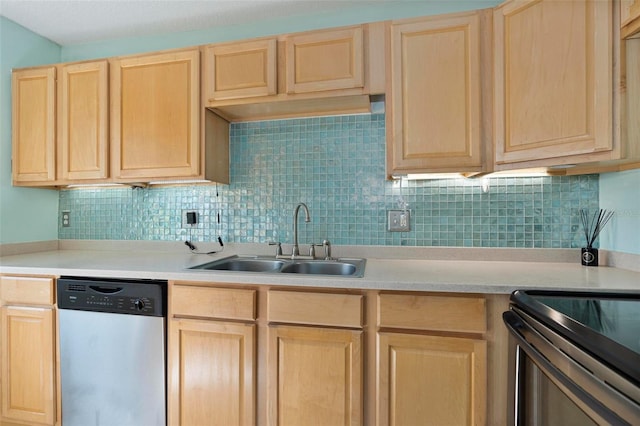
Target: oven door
(553,382)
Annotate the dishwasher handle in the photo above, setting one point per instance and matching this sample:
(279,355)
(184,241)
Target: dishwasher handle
(105,290)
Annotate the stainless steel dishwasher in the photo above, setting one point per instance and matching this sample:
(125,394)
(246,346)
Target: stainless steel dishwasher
(112,351)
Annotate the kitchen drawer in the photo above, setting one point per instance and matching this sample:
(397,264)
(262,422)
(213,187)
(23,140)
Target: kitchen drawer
(27,290)
(213,302)
(437,313)
(340,310)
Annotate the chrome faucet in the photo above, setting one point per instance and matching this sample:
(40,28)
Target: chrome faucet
(296,250)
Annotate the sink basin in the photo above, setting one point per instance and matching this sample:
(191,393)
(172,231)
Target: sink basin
(321,268)
(341,267)
(235,263)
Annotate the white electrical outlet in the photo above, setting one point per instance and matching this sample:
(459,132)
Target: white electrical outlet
(399,220)
(66,218)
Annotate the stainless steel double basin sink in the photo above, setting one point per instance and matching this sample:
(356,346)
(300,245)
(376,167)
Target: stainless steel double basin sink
(344,267)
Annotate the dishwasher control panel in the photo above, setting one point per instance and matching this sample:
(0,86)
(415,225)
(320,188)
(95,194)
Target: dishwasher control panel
(136,297)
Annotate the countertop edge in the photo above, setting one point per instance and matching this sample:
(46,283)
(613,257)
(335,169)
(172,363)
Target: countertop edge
(428,275)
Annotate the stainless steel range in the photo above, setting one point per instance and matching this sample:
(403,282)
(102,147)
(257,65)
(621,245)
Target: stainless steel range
(575,358)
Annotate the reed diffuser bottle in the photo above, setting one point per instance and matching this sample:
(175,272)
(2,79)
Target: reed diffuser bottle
(592,228)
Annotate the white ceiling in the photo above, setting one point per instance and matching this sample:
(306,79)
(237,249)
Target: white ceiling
(69,22)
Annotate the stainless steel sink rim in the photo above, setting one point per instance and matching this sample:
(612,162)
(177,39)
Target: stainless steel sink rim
(342,267)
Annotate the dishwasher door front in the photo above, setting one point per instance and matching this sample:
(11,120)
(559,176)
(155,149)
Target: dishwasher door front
(112,369)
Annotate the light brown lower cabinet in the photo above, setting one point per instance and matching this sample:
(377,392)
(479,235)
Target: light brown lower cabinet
(315,358)
(434,351)
(431,380)
(211,356)
(27,354)
(213,364)
(315,376)
(245,355)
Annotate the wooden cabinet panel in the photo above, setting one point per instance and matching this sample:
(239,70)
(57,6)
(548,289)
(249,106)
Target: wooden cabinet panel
(155,116)
(315,376)
(325,72)
(553,80)
(27,364)
(304,355)
(27,290)
(434,117)
(341,310)
(83,113)
(212,302)
(629,17)
(241,70)
(325,60)
(437,313)
(211,373)
(33,125)
(428,380)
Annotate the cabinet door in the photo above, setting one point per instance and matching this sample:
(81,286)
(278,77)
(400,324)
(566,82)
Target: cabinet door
(240,70)
(434,121)
(553,79)
(431,380)
(325,60)
(27,364)
(83,127)
(211,373)
(33,125)
(155,116)
(315,376)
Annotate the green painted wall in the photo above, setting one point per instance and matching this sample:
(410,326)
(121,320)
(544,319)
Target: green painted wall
(26,214)
(621,192)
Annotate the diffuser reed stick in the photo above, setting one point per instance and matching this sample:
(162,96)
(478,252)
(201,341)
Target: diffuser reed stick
(592,227)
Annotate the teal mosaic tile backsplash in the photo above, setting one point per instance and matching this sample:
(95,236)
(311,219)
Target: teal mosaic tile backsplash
(336,166)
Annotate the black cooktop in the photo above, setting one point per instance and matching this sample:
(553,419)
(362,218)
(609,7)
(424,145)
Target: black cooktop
(607,325)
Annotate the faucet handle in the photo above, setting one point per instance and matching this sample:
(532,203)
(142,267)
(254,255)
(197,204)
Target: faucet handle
(278,249)
(327,250)
(312,249)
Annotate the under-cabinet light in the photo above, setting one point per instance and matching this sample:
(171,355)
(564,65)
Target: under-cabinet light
(94,185)
(178,182)
(519,173)
(536,172)
(428,176)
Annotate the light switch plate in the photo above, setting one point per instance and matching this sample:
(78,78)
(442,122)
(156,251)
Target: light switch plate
(399,220)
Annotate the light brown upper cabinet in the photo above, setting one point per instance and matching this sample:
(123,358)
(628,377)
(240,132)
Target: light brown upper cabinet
(60,125)
(241,69)
(630,17)
(553,83)
(296,75)
(155,116)
(34,127)
(433,100)
(83,117)
(325,60)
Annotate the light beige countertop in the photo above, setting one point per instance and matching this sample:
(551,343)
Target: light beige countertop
(389,268)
